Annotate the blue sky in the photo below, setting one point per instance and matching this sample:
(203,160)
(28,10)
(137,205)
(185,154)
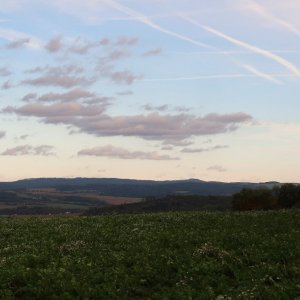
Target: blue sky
(150,89)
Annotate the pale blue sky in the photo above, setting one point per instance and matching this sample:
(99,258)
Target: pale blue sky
(150,89)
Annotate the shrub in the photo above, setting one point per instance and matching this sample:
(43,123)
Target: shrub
(249,199)
(289,195)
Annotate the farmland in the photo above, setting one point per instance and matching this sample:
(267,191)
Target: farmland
(54,201)
(186,255)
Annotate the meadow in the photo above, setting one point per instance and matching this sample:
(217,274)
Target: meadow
(184,255)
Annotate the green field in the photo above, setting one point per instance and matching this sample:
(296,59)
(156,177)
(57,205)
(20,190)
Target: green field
(199,255)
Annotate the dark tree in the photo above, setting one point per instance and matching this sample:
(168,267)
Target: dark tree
(250,199)
(289,195)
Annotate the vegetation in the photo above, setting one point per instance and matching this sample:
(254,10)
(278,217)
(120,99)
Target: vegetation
(286,196)
(52,201)
(289,195)
(195,255)
(169,203)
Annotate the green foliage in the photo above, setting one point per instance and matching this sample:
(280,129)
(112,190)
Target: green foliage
(196,255)
(285,196)
(165,204)
(289,195)
(250,199)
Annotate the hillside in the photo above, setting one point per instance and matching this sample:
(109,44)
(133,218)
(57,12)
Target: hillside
(134,188)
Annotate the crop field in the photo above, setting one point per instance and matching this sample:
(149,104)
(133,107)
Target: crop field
(196,255)
(52,201)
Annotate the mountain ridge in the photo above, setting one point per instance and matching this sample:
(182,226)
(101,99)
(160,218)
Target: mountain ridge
(135,187)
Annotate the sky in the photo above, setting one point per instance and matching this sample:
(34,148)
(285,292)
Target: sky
(148,89)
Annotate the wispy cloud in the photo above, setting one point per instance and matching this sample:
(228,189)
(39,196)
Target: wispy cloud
(153,52)
(14,36)
(6,85)
(200,150)
(18,43)
(282,61)
(43,150)
(122,153)
(216,168)
(220,76)
(263,12)
(261,74)
(200,77)
(4,71)
(54,44)
(145,20)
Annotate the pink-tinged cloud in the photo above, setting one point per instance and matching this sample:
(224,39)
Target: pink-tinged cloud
(82,47)
(92,119)
(160,108)
(127,41)
(67,69)
(153,52)
(54,44)
(6,85)
(116,55)
(29,97)
(124,77)
(42,150)
(200,150)
(4,72)
(19,43)
(121,153)
(61,81)
(61,109)
(216,168)
(125,93)
(72,95)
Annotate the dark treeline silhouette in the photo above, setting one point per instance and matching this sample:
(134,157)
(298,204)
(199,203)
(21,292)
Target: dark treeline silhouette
(285,196)
(168,203)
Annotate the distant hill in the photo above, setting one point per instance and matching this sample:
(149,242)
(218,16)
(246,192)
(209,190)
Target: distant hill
(135,188)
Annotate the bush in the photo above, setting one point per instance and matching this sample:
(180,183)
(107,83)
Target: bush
(289,195)
(260,199)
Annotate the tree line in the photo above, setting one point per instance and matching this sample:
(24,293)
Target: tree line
(284,196)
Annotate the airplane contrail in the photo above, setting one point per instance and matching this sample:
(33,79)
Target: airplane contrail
(145,20)
(260,10)
(282,61)
(261,74)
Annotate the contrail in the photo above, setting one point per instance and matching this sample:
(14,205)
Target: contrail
(229,52)
(282,61)
(145,20)
(260,10)
(200,77)
(255,49)
(261,74)
(220,76)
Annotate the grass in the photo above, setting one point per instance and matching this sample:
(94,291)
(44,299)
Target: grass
(195,255)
